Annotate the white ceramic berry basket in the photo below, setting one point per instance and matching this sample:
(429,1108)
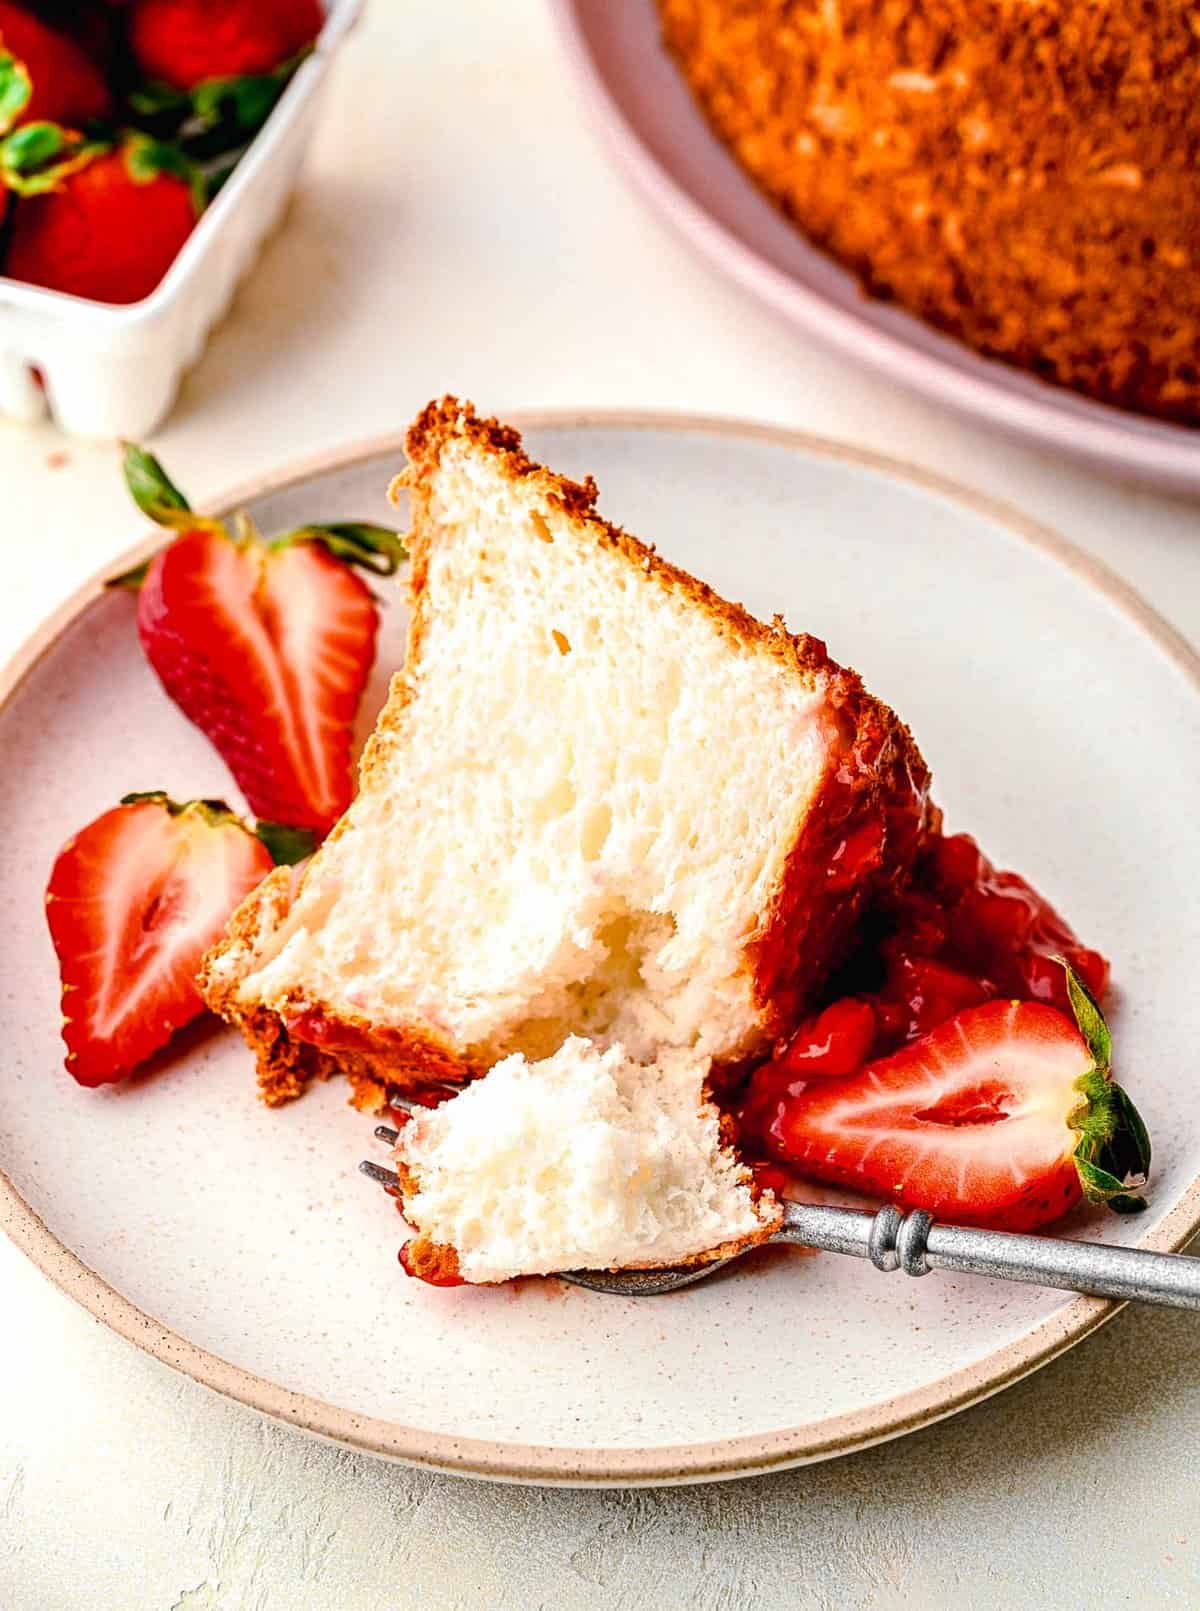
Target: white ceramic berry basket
(115,371)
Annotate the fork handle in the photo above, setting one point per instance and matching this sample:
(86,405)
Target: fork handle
(915,1244)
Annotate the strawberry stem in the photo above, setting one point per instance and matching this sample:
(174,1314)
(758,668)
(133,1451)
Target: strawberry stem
(1114,1147)
(217,113)
(215,812)
(377,549)
(147,159)
(287,845)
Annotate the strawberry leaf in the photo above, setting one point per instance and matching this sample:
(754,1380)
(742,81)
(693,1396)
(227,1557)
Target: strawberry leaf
(156,100)
(152,489)
(377,549)
(1100,1186)
(287,845)
(246,103)
(148,159)
(1088,1018)
(39,156)
(32,147)
(216,119)
(1133,1132)
(1114,1145)
(130,580)
(215,812)
(16,88)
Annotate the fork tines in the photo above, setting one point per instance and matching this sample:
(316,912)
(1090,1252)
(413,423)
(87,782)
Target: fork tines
(385,1177)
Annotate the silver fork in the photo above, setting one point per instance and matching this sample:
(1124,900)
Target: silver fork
(915,1244)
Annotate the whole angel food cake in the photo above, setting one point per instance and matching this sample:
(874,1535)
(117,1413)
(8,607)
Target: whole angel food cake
(1022,175)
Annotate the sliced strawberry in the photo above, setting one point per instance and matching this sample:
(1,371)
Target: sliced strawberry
(1002,1116)
(834,1042)
(268,652)
(134,901)
(266,647)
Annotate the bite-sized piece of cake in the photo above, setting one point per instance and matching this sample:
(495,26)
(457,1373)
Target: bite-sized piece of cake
(600,800)
(587,1160)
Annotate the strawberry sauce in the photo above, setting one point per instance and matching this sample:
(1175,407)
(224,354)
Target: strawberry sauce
(962,933)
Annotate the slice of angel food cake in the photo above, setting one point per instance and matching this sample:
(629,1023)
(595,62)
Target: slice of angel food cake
(611,836)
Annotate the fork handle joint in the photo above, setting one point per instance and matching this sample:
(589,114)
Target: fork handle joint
(900,1241)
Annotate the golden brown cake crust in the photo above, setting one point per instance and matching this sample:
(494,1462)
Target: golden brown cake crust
(1021,174)
(437,1262)
(875,777)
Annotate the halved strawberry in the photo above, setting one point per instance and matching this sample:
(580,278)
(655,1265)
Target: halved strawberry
(265,646)
(1003,1116)
(134,901)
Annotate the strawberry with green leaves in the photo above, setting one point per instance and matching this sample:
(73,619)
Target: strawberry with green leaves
(94,218)
(46,75)
(134,901)
(1005,1116)
(183,43)
(266,646)
(212,70)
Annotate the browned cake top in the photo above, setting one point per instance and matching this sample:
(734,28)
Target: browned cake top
(1023,174)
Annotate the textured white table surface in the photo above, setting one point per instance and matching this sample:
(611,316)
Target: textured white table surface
(457,229)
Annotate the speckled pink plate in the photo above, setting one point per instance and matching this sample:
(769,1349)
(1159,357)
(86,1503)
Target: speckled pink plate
(647,118)
(1062,719)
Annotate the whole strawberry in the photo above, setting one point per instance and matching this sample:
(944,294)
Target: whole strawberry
(183,43)
(266,646)
(46,75)
(96,220)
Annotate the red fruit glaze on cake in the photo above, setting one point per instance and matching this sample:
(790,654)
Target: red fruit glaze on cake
(963,933)
(855,851)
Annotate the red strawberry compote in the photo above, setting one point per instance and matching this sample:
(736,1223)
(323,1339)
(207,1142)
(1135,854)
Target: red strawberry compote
(962,933)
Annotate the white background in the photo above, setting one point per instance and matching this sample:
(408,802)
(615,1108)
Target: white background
(458,229)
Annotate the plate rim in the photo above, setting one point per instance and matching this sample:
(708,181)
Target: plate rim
(747,1454)
(1121,442)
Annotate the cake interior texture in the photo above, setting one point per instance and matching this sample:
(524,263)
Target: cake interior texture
(579,815)
(587,1160)
(600,801)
